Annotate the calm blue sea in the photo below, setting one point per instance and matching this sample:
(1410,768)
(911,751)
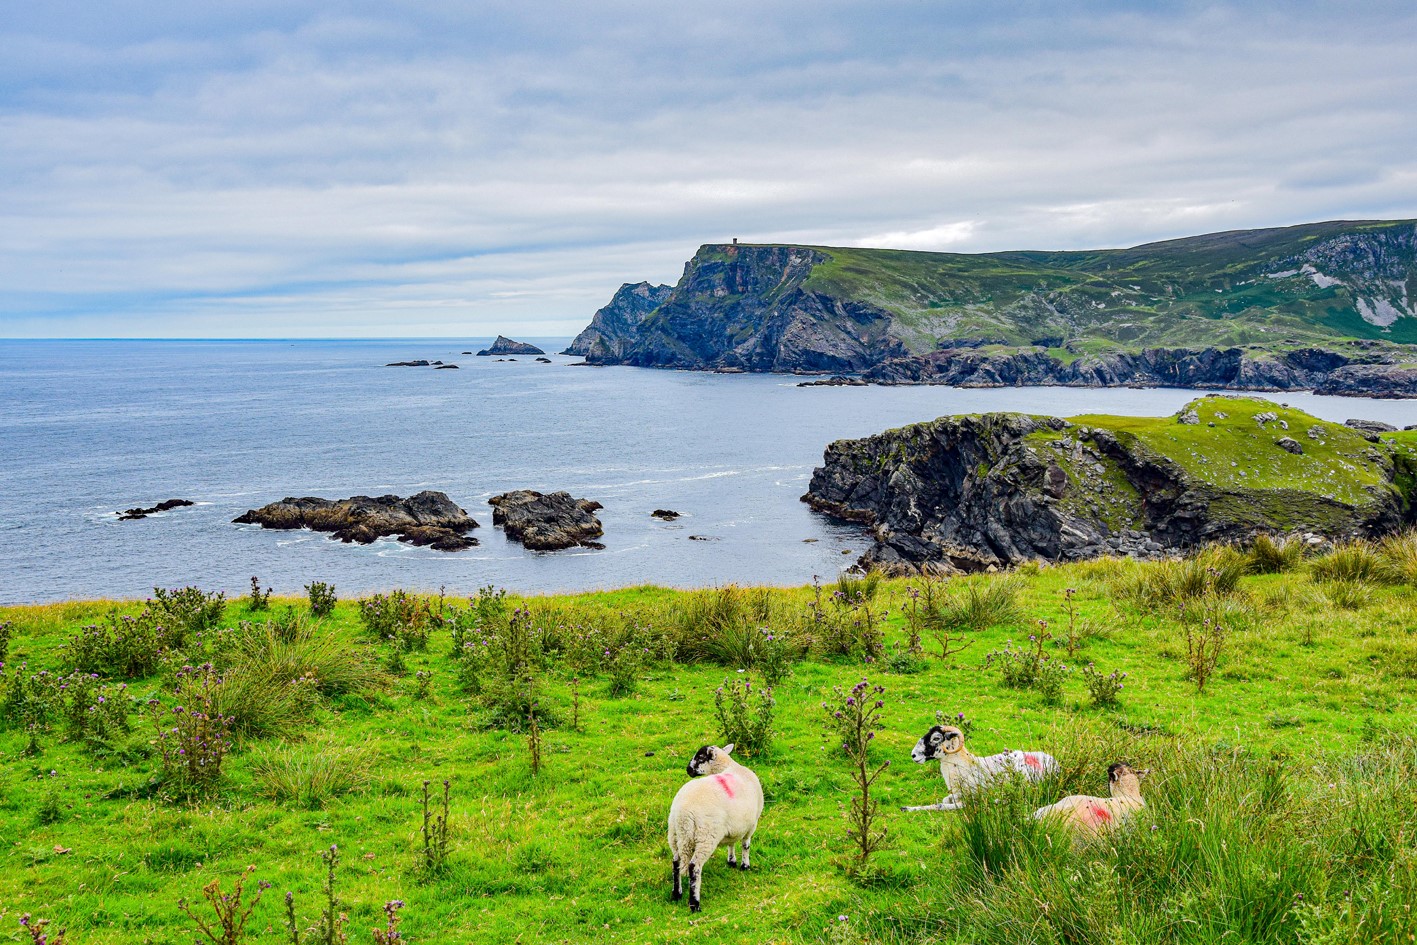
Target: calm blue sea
(88,428)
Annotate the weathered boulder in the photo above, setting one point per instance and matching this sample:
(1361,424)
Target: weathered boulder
(129,515)
(1289,445)
(973,492)
(1371,426)
(428,518)
(505,345)
(547,522)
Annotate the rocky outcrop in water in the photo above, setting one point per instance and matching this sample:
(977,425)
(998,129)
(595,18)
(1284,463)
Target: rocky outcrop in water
(547,522)
(428,518)
(129,515)
(505,345)
(969,493)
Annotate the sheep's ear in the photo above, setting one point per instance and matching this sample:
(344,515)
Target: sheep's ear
(727,749)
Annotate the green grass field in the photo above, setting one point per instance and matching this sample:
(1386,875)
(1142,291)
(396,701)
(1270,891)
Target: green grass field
(1281,798)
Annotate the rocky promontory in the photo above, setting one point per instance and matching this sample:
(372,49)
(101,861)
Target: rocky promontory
(428,518)
(1330,307)
(547,522)
(505,345)
(971,492)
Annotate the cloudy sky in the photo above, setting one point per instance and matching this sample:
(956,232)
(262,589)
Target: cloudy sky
(282,168)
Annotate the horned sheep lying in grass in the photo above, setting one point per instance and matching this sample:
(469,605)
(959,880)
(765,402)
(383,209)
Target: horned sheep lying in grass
(1090,816)
(724,802)
(964,772)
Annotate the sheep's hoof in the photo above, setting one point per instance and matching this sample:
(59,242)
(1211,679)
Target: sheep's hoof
(744,867)
(693,905)
(675,896)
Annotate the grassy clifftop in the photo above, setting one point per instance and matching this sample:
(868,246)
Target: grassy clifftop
(1293,286)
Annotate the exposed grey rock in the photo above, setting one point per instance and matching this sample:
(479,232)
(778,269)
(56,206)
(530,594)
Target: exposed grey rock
(446,367)
(836,381)
(1315,432)
(1289,445)
(408,364)
(1189,417)
(428,518)
(615,327)
(1371,426)
(547,522)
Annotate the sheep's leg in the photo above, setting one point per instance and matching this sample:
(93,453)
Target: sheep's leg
(732,850)
(696,876)
(747,842)
(678,882)
(949,803)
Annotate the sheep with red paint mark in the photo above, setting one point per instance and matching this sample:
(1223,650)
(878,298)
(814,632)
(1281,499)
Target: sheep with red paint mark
(1090,816)
(723,802)
(965,772)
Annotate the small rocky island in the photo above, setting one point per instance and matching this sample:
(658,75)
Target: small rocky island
(129,515)
(547,522)
(969,493)
(505,345)
(428,518)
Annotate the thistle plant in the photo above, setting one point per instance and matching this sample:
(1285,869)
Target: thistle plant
(193,737)
(322,598)
(855,718)
(38,931)
(1204,646)
(231,911)
(389,934)
(435,833)
(259,600)
(745,714)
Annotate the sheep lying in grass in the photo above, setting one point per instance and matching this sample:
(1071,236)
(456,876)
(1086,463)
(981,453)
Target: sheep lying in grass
(724,803)
(964,772)
(1091,816)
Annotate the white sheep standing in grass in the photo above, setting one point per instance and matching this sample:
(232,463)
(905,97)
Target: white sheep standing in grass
(1090,816)
(723,802)
(964,772)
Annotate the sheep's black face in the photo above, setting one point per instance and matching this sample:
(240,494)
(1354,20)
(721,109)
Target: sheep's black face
(935,743)
(702,761)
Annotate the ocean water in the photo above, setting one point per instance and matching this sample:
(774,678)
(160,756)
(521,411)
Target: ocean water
(88,428)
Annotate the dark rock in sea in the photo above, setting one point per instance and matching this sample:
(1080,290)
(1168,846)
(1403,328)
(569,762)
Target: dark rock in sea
(837,381)
(467,352)
(973,492)
(668,515)
(547,522)
(543,360)
(131,514)
(407,364)
(505,345)
(703,538)
(428,518)
(446,367)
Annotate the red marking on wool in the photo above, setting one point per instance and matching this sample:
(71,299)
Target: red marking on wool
(1100,814)
(1032,761)
(724,782)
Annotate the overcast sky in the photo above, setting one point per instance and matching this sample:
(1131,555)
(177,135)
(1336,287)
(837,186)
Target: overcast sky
(276,169)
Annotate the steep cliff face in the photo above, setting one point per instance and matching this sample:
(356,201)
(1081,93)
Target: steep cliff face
(744,307)
(971,492)
(1327,306)
(614,327)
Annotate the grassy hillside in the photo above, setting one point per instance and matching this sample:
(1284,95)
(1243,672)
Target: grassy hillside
(1281,795)
(1241,288)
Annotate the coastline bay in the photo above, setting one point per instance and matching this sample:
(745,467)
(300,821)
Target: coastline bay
(93,427)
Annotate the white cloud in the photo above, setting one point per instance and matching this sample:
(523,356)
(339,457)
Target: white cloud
(269,168)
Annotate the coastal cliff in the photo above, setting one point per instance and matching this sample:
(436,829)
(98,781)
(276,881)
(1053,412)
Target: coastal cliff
(971,492)
(1330,307)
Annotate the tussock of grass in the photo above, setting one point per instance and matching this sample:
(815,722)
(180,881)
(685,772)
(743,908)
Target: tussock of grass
(1353,561)
(310,774)
(1269,555)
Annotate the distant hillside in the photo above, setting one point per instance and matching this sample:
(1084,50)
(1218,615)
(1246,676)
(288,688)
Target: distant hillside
(1330,306)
